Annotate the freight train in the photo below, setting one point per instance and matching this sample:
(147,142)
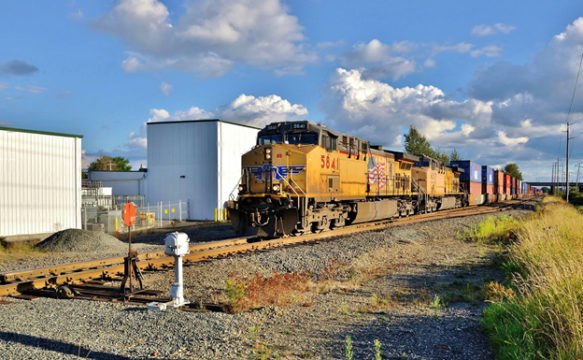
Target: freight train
(304,177)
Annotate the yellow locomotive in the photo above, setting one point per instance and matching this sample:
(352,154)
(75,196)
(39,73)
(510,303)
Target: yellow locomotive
(302,176)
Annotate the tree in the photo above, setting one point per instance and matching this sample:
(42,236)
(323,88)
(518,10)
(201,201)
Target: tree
(455,156)
(443,157)
(417,144)
(106,163)
(512,170)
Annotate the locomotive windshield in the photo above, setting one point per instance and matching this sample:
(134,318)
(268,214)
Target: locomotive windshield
(270,139)
(305,138)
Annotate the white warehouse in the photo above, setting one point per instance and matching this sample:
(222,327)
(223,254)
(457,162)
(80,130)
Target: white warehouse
(40,181)
(198,161)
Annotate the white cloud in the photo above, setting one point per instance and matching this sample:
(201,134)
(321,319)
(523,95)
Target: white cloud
(259,111)
(488,51)
(3,86)
(508,141)
(166,88)
(377,61)
(210,37)
(379,112)
(158,115)
(487,30)
(193,113)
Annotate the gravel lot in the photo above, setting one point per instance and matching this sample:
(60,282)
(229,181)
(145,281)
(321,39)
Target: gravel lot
(384,286)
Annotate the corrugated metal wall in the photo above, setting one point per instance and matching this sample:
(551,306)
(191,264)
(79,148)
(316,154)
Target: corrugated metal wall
(40,183)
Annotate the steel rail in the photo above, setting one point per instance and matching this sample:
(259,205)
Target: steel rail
(59,269)
(111,268)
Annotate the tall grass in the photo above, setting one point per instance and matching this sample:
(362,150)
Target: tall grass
(494,230)
(545,319)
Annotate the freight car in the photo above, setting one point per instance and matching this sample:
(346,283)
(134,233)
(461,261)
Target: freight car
(302,176)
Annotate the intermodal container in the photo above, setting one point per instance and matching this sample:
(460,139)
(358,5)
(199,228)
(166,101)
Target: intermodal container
(507,186)
(472,171)
(499,185)
(488,184)
(474,190)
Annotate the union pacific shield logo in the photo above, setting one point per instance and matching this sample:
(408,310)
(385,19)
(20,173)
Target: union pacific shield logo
(279,172)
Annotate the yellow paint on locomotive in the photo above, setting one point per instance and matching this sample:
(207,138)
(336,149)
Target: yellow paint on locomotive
(325,175)
(436,179)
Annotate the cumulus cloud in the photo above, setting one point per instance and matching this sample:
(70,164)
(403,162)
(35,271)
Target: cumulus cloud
(487,30)
(259,111)
(166,88)
(210,37)
(377,60)
(17,67)
(380,112)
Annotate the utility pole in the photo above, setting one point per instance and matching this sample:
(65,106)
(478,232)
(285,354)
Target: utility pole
(567,161)
(553,179)
(578,170)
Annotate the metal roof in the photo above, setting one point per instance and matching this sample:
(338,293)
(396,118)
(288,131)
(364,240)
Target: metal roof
(201,120)
(40,132)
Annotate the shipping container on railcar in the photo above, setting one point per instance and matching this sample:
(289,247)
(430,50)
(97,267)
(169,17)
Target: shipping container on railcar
(499,185)
(507,186)
(488,184)
(471,180)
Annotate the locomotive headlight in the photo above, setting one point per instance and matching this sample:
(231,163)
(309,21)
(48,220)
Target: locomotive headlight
(275,188)
(241,188)
(268,153)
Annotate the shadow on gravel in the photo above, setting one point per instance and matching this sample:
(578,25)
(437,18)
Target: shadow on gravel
(58,346)
(196,234)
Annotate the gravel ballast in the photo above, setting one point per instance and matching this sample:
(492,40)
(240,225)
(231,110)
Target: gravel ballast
(412,265)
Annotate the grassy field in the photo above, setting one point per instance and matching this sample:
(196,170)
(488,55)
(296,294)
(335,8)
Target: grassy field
(542,317)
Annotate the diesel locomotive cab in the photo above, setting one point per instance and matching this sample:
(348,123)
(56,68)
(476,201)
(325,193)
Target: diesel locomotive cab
(273,179)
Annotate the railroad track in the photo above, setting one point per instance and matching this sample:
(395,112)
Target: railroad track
(21,282)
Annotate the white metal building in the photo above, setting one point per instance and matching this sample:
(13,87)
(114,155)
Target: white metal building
(122,182)
(198,161)
(40,181)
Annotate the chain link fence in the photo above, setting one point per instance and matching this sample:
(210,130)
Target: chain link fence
(106,215)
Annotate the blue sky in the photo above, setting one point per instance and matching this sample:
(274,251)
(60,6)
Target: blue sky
(492,79)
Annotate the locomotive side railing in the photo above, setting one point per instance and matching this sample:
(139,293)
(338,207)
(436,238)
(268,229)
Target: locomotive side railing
(421,189)
(290,185)
(231,195)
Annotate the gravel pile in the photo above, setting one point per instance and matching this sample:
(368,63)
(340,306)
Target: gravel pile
(80,241)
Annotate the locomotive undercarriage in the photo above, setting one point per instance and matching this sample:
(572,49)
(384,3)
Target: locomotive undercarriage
(269,217)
